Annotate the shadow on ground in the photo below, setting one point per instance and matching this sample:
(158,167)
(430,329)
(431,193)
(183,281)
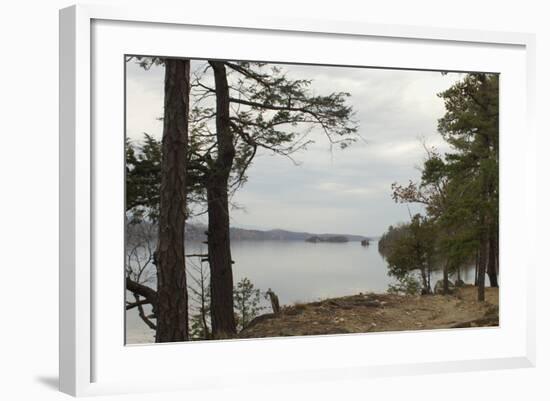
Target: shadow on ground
(52,382)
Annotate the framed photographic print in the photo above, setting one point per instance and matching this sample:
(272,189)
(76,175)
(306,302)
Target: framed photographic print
(335,198)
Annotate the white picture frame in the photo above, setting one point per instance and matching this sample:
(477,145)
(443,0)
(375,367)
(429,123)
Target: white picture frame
(92,351)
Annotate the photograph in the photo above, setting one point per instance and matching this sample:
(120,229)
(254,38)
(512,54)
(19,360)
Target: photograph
(300,200)
(267,199)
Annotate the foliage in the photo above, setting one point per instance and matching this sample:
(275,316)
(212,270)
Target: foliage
(406,284)
(247,302)
(459,189)
(143,178)
(238,108)
(199,296)
(389,238)
(269,110)
(412,249)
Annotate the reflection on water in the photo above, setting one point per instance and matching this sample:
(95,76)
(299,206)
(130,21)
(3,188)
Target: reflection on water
(299,272)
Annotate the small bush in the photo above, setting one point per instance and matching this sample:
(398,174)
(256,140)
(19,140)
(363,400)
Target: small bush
(407,285)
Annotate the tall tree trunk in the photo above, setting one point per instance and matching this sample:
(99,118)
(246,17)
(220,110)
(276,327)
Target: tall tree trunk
(476,275)
(497,255)
(489,182)
(492,259)
(482,266)
(446,278)
(429,274)
(219,250)
(425,281)
(172,314)
(204,302)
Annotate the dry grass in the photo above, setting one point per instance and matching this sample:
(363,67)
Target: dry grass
(379,312)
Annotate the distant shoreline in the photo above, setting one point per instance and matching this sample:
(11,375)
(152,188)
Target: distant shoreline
(198,232)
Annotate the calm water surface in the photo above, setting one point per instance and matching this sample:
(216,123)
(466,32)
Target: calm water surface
(298,272)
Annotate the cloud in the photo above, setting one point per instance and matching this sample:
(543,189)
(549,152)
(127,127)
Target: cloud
(331,190)
(342,189)
(144,103)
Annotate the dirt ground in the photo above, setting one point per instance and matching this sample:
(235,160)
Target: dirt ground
(379,312)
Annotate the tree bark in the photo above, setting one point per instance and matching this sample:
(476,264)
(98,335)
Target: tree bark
(446,278)
(476,275)
(426,286)
(172,299)
(274,301)
(142,290)
(492,260)
(482,266)
(219,250)
(488,221)
(497,258)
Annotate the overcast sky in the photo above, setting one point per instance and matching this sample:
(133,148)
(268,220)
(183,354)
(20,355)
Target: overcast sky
(343,191)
